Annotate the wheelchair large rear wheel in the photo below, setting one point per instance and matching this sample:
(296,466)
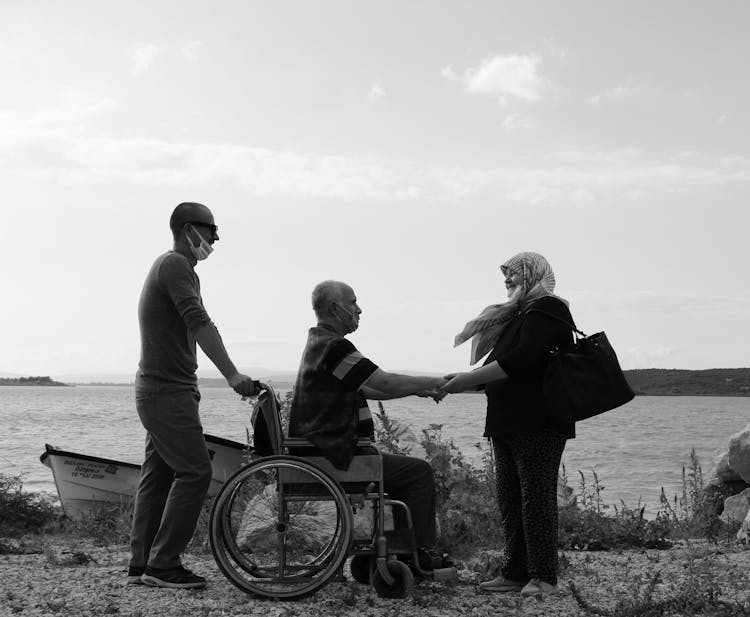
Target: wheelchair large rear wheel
(280,527)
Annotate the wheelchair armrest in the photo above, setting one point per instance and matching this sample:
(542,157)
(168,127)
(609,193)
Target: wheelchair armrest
(298,442)
(301,442)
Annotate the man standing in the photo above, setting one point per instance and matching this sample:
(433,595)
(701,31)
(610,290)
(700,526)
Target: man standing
(176,472)
(329,407)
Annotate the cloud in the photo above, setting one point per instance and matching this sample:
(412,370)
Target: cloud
(53,142)
(618,92)
(620,157)
(662,315)
(642,356)
(376,93)
(553,49)
(646,301)
(190,49)
(448,73)
(507,77)
(517,121)
(143,56)
(64,117)
(722,119)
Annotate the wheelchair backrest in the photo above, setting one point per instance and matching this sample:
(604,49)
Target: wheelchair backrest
(365,469)
(266,422)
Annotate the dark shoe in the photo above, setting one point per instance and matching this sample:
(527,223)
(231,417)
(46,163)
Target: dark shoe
(134,575)
(174,578)
(430,559)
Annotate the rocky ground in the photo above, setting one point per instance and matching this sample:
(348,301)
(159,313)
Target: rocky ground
(70,577)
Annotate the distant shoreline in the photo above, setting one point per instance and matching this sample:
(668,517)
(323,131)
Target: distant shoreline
(31,381)
(730,382)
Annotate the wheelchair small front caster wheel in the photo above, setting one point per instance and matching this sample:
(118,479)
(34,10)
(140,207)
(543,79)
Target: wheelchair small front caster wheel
(403,581)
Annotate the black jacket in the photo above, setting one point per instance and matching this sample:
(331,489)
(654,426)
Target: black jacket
(515,406)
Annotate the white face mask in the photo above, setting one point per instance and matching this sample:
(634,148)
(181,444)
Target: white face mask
(352,321)
(203,250)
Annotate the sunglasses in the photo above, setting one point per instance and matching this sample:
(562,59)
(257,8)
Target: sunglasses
(213,228)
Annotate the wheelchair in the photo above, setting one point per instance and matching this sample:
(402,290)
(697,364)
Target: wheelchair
(283,525)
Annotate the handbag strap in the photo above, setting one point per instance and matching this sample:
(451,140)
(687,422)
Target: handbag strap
(570,324)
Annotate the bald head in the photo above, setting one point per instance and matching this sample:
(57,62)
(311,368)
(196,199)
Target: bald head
(335,304)
(327,293)
(189,212)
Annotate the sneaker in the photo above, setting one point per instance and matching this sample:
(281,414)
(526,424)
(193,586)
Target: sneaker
(538,589)
(501,584)
(430,559)
(134,575)
(174,578)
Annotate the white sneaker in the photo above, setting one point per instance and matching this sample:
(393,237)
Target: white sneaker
(538,589)
(501,585)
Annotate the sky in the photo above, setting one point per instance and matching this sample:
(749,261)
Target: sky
(406,147)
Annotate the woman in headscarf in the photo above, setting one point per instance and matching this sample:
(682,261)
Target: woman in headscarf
(527,445)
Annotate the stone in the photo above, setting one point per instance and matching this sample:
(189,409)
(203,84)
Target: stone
(739,453)
(743,535)
(723,473)
(736,507)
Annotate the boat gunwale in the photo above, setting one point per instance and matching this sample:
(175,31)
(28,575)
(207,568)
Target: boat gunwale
(222,441)
(50,450)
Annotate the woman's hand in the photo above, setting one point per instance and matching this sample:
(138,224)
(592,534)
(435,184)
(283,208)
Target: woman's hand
(454,384)
(436,394)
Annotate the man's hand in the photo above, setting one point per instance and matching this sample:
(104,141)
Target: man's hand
(242,384)
(436,394)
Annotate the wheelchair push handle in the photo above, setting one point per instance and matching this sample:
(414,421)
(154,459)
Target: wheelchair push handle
(259,387)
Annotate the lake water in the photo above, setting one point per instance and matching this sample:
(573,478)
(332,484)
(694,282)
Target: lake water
(635,450)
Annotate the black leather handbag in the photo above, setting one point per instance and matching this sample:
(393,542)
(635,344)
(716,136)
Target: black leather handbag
(584,381)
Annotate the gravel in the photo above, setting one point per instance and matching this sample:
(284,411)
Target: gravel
(50,576)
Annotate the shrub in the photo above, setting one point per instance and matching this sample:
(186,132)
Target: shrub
(465,499)
(107,523)
(695,512)
(700,598)
(586,524)
(388,433)
(465,495)
(22,512)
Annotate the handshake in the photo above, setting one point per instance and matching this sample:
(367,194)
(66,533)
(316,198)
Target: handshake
(448,384)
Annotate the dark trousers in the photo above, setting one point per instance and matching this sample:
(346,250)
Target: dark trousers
(175,477)
(412,481)
(526,470)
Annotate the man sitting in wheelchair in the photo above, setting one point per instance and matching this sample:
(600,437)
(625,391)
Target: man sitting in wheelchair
(330,409)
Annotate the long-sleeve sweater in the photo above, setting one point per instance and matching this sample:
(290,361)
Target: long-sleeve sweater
(515,405)
(170,311)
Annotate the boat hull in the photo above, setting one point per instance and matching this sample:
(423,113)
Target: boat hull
(85,483)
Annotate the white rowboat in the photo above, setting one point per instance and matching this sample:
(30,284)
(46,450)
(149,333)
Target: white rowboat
(86,482)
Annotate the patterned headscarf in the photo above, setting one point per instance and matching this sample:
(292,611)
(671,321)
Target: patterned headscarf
(538,280)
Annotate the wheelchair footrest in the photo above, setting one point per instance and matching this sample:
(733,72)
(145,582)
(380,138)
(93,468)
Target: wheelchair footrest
(444,574)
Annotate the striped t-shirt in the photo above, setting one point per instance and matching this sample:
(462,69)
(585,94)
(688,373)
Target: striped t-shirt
(328,407)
